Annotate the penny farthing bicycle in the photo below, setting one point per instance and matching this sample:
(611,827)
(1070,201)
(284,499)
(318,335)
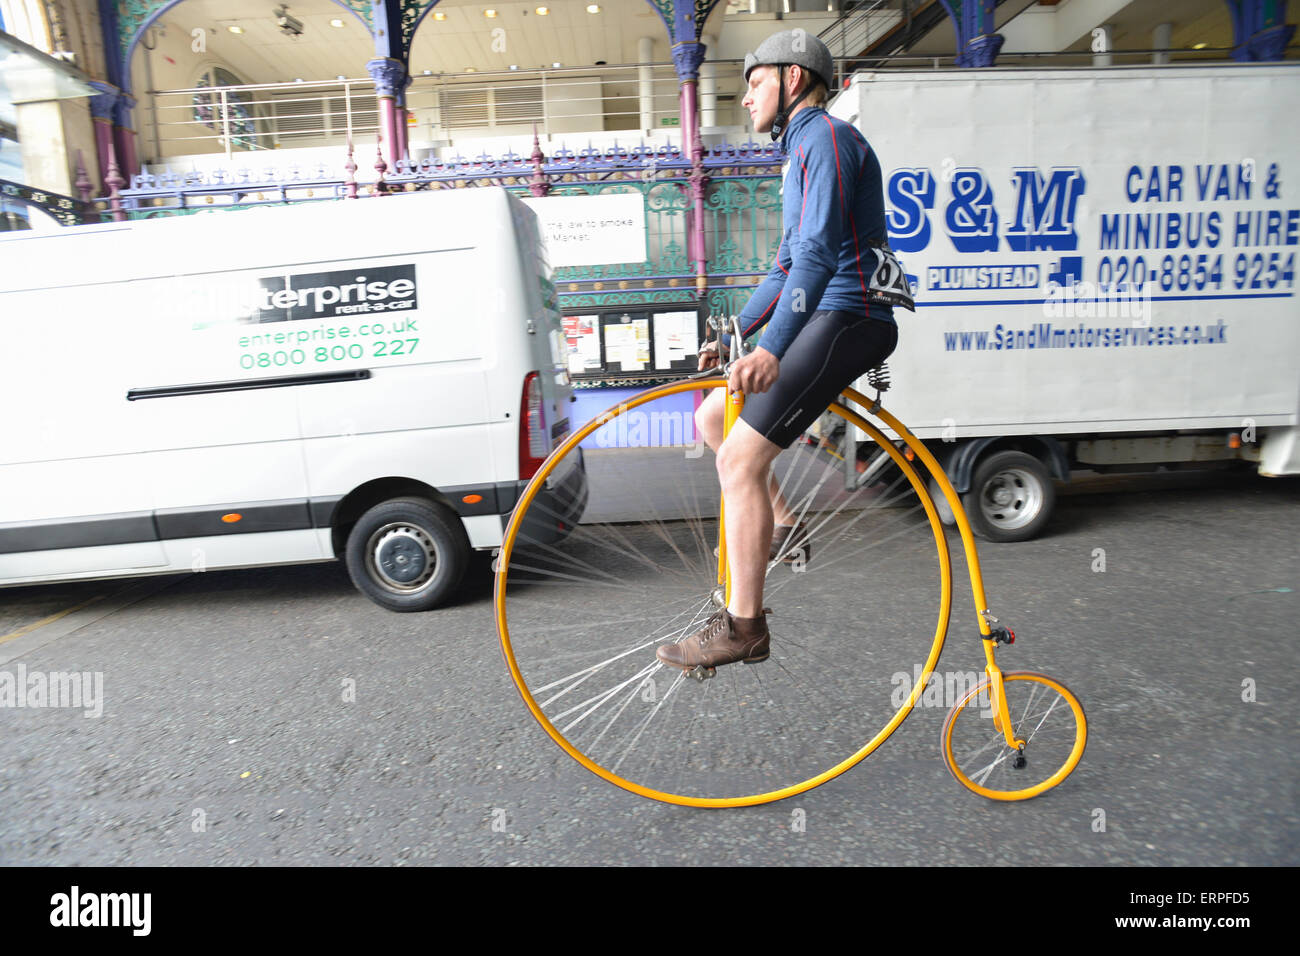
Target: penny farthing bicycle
(617,546)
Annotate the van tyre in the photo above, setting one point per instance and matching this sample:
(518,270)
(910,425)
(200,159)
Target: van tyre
(1010,498)
(407,554)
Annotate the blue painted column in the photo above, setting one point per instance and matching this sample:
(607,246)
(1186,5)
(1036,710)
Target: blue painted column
(110,34)
(124,136)
(394,23)
(102,107)
(111,107)
(685,21)
(391,77)
(977,44)
(1259,29)
(687,57)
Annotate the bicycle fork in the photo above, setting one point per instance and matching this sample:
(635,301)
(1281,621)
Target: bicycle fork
(735,404)
(1001,713)
(990,630)
(731,412)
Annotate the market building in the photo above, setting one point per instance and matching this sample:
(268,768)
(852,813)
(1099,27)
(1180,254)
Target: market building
(142,108)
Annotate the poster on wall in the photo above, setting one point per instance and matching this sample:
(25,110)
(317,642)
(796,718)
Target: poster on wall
(677,342)
(627,343)
(615,342)
(583,339)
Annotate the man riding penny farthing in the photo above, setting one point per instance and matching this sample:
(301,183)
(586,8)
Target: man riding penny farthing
(826,313)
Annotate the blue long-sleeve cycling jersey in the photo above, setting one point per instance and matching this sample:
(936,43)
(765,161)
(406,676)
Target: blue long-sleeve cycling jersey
(834,210)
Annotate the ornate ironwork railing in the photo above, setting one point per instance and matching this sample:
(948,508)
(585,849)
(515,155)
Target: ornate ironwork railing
(172,194)
(68,211)
(741,208)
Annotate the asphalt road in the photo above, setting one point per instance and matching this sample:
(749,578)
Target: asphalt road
(277,717)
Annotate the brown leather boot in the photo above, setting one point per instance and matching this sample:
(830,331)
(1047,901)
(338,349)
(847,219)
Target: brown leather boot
(722,640)
(789,543)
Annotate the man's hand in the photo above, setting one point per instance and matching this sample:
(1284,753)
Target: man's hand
(755,373)
(709,355)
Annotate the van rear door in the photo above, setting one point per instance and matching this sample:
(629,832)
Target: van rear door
(549,352)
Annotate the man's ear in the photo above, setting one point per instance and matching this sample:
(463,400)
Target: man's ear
(794,78)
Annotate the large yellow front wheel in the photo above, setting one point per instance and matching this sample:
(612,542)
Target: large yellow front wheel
(610,553)
(1044,714)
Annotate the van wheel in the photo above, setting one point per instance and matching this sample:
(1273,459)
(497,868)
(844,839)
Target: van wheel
(407,554)
(1011,497)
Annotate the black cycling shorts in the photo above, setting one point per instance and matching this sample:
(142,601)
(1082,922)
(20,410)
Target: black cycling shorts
(832,350)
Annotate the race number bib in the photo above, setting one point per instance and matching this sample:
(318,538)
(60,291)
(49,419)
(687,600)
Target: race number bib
(889,281)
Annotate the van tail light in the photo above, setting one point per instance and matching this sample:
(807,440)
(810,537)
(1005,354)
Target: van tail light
(533,445)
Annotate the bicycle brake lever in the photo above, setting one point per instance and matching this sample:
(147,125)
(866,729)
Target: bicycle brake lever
(736,352)
(737,339)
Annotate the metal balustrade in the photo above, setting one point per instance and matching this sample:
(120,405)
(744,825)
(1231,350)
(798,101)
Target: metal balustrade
(449,110)
(859,25)
(444,109)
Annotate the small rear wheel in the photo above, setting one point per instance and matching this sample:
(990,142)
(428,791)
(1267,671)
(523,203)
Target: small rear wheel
(407,554)
(1044,713)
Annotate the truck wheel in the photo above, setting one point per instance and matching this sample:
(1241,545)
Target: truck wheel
(1011,497)
(941,504)
(407,554)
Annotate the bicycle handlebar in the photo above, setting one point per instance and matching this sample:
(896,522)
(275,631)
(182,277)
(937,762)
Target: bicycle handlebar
(737,351)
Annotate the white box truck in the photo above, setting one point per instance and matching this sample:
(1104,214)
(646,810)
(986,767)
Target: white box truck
(372,380)
(1104,264)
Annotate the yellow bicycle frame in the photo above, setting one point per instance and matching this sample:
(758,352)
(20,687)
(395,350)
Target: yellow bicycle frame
(1001,717)
(997,699)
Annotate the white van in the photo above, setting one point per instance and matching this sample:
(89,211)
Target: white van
(373,380)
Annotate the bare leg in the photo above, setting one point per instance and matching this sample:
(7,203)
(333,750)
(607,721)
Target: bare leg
(744,468)
(709,417)
(780,510)
(709,420)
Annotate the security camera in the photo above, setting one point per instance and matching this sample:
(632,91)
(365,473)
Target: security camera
(289,26)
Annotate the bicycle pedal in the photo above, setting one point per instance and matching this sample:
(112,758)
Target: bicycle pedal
(701,673)
(718,598)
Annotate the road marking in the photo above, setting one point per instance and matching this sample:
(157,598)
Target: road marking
(49,620)
(50,629)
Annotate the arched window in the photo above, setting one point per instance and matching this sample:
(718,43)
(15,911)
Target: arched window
(240,112)
(26,20)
